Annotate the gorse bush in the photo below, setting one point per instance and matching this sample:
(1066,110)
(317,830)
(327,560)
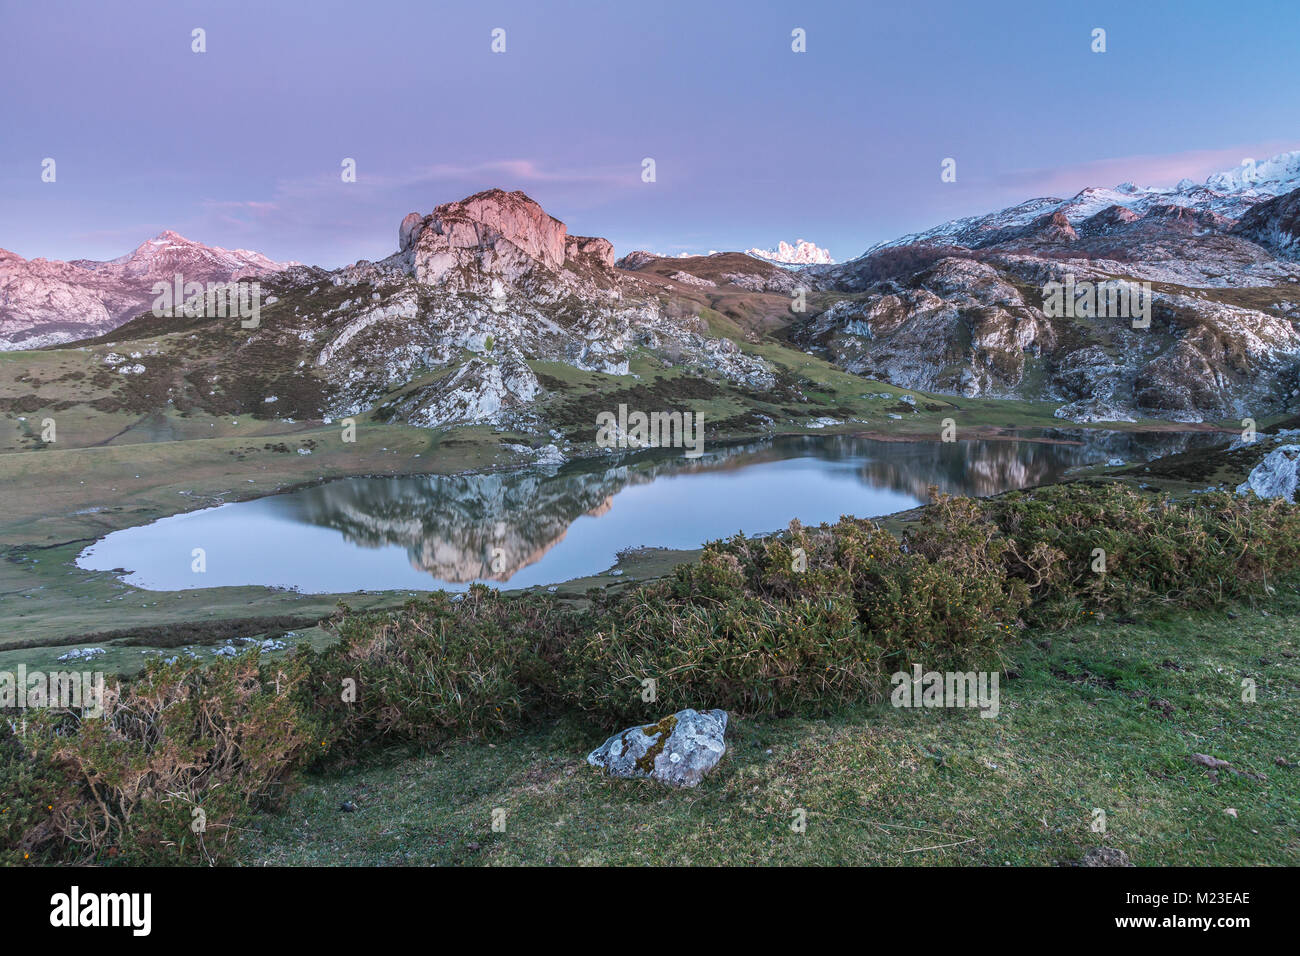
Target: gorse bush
(29,789)
(703,636)
(804,621)
(438,669)
(181,755)
(810,621)
(1156,550)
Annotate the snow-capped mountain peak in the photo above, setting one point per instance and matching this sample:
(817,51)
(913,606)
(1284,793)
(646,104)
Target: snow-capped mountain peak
(1283,171)
(1230,194)
(802,253)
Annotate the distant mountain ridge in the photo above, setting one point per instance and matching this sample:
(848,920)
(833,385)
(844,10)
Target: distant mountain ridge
(1229,194)
(962,308)
(458,326)
(48,301)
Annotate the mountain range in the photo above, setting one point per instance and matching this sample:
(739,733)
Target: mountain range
(961,308)
(460,324)
(47,301)
(802,253)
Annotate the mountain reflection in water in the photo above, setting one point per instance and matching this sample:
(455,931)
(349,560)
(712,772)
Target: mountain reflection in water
(549,524)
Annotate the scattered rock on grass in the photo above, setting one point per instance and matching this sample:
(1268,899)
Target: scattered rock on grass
(679,750)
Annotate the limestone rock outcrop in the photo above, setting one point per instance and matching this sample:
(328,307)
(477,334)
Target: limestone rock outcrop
(678,750)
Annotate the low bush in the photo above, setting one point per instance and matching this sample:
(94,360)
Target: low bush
(1156,551)
(30,786)
(438,669)
(180,758)
(808,621)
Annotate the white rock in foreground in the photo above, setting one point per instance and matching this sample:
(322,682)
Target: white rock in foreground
(678,751)
(1275,476)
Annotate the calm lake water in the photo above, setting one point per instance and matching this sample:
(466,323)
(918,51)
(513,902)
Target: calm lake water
(541,526)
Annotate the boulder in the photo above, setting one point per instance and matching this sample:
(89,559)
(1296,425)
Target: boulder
(679,750)
(1275,476)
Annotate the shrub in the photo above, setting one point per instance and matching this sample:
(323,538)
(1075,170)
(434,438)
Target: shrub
(706,646)
(30,786)
(182,755)
(746,631)
(803,621)
(1192,553)
(439,668)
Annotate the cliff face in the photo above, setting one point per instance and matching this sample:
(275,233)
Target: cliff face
(494,239)
(1275,225)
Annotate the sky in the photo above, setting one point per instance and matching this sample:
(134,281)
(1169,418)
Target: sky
(242,145)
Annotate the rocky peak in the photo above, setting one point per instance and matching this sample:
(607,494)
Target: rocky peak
(1176,214)
(590,249)
(1279,174)
(493,236)
(1053,227)
(802,253)
(170,252)
(637,259)
(482,220)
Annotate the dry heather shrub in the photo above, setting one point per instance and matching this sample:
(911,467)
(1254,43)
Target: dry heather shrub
(223,740)
(752,629)
(1158,550)
(439,669)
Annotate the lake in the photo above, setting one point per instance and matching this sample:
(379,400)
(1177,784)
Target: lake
(544,525)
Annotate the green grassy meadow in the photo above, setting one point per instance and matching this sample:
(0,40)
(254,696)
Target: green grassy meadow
(1101,716)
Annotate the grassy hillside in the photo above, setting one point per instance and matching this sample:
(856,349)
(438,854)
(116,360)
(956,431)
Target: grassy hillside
(1104,715)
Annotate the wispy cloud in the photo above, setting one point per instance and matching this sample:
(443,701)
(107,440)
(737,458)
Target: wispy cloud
(529,171)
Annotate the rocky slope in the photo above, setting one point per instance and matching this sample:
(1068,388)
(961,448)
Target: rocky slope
(1275,225)
(739,271)
(963,308)
(45,301)
(1229,195)
(445,331)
